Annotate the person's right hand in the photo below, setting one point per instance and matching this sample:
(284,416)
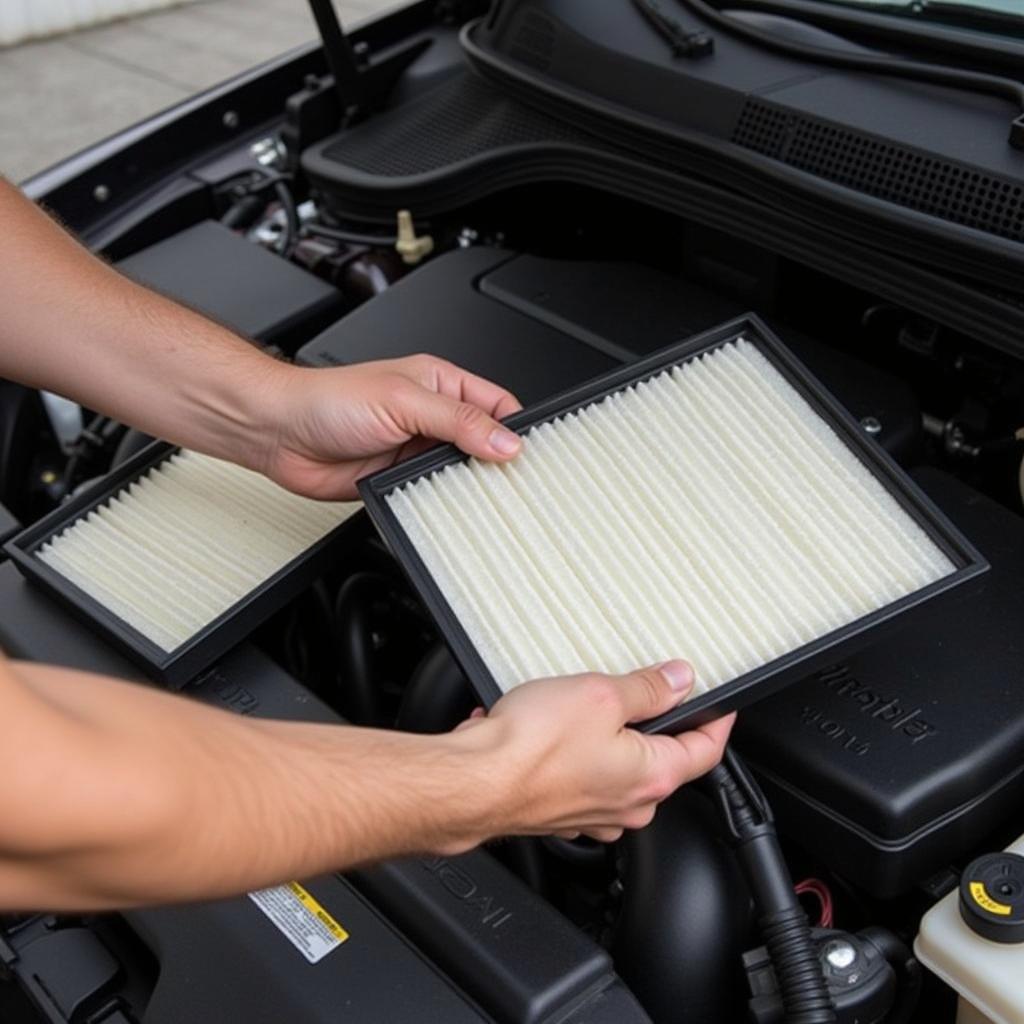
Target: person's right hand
(566,761)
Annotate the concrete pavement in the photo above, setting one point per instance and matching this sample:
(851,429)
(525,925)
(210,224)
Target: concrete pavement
(61,94)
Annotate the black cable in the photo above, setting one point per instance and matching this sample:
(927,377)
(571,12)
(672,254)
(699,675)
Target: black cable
(353,237)
(781,919)
(248,206)
(100,432)
(243,213)
(897,67)
(291,218)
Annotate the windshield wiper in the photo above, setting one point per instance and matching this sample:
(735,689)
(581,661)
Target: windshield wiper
(889,26)
(955,12)
(683,42)
(897,67)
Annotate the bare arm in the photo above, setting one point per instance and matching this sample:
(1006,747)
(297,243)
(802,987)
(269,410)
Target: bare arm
(115,794)
(74,325)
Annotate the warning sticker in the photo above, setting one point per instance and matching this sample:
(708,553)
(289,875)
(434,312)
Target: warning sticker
(301,920)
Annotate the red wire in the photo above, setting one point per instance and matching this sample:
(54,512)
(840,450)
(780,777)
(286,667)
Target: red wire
(817,888)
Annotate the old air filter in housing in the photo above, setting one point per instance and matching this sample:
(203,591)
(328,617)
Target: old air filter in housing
(711,502)
(175,556)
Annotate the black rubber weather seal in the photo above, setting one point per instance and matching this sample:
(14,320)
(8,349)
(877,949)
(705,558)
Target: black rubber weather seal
(958,249)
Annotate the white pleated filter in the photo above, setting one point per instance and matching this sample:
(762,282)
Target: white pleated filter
(190,538)
(708,513)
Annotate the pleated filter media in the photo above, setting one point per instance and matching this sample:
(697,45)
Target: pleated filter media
(185,542)
(708,512)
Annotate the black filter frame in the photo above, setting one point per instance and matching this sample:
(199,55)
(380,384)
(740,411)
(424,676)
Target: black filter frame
(200,651)
(773,675)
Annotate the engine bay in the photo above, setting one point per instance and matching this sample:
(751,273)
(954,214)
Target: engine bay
(886,773)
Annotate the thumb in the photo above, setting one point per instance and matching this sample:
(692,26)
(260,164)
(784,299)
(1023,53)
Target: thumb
(468,426)
(653,691)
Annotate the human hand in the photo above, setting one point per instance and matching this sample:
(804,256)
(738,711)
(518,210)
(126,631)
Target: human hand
(566,761)
(330,427)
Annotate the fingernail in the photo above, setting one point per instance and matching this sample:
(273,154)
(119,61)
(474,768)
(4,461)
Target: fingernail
(504,441)
(678,674)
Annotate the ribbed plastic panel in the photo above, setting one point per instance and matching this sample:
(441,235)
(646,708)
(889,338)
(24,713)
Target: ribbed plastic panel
(457,121)
(707,512)
(896,173)
(178,547)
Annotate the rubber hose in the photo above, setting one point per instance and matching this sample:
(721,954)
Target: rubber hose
(291,218)
(685,917)
(794,956)
(903,960)
(781,919)
(438,696)
(899,67)
(359,697)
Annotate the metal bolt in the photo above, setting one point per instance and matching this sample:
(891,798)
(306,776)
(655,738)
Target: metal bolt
(840,954)
(101,193)
(871,426)
(230,119)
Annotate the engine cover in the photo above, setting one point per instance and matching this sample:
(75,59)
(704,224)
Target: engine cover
(898,760)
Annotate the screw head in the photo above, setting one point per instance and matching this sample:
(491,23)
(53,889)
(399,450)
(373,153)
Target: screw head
(871,425)
(101,193)
(230,119)
(839,954)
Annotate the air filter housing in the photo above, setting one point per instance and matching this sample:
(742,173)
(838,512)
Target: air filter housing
(710,502)
(178,555)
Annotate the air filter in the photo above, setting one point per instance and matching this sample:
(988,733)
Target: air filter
(179,555)
(711,502)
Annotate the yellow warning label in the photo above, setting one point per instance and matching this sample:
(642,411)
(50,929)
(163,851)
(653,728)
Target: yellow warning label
(315,908)
(301,920)
(982,898)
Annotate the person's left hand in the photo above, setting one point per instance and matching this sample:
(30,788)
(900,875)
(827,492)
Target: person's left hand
(329,427)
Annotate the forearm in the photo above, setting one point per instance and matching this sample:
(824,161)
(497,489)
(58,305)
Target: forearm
(74,325)
(123,795)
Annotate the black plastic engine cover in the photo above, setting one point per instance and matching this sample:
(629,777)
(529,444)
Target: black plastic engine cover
(539,326)
(906,755)
(218,272)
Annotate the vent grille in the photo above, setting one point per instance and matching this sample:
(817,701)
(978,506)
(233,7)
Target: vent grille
(907,177)
(463,119)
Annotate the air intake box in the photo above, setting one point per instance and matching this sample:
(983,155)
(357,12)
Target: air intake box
(907,754)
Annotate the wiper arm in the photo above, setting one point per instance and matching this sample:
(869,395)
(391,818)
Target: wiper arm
(897,67)
(956,11)
(682,42)
(890,25)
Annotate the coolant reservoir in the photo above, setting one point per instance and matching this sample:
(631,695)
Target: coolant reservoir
(973,939)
